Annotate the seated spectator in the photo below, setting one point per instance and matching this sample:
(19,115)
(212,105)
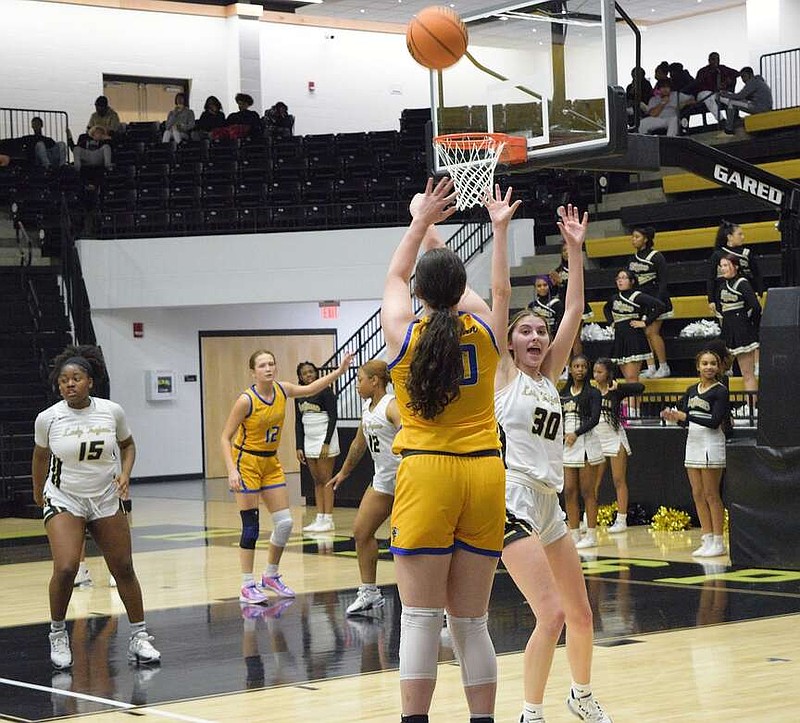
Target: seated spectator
(244,123)
(663,110)
(4,160)
(755,97)
(660,73)
(638,91)
(278,122)
(179,123)
(711,80)
(104,116)
(211,118)
(680,79)
(45,151)
(92,149)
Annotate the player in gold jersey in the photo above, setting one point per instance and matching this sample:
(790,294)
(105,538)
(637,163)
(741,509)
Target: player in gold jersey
(254,471)
(448,514)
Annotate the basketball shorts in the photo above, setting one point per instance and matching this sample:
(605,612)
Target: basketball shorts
(533,509)
(258,473)
(442,502)
(383,485)
(57,500)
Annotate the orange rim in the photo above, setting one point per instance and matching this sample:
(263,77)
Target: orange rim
(514,151)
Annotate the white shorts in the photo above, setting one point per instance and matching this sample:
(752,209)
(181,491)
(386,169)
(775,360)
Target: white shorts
(705,448)
(537,505)
(56,500)
(587,448)
(315,427)
(611,440)
(384,486)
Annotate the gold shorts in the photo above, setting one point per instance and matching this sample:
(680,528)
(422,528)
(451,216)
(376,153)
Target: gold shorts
(442,502)
(258,473)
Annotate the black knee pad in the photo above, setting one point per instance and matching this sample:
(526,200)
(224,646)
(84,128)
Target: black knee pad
(249,529)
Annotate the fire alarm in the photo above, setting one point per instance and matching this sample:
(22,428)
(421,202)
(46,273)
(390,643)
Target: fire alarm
(138,329)
(312,86)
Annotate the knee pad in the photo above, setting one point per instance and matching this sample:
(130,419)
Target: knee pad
(420,629)
(281,528)
(249,529)
(127,506)
(474,649)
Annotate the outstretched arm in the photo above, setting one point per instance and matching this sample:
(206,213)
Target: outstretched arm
(501,211)
(318,385)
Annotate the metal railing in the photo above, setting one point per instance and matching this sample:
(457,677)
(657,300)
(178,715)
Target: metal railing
(645,410)
(75,293)
(16,122)
(781,71)
(367,341)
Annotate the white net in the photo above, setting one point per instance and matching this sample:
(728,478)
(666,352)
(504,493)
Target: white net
(470,161)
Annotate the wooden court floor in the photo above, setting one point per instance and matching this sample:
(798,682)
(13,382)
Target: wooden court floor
(675,640)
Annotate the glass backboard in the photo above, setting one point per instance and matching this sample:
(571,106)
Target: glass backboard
(535,69)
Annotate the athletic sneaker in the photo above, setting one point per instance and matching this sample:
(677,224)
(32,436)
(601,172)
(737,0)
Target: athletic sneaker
(252,594)
(588,540)
(60,654)
(140,650)
(275,584)
(367,599)
(315,525)
(714,549)
(705,541)
(83,578)
(111,581)
(617,527)
(587,708)
(324,525)
(648,373)
(661,372)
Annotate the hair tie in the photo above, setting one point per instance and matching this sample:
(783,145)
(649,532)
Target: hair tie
(80,361)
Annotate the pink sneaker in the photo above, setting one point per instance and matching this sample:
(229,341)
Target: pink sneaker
(251,594)
(276,585)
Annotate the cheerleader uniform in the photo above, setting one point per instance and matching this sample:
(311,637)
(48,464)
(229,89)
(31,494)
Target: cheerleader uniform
(748,267)
(609,429)
(380,432)
(315,424)
(706,414)
(562,271)
(529,414)
(582,422)
(630,344)
(650,268)
(550,308)
(741,315)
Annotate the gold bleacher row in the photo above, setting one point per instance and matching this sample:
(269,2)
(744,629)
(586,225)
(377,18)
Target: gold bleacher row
(678,385)
(772,120)
(684,307)
(683,182)
(693,238)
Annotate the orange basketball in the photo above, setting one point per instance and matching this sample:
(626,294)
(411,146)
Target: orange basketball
(436,37)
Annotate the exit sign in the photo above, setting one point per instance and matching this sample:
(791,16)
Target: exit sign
(329,309)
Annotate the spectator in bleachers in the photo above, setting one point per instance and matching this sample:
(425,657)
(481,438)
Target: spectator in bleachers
(104,116)
(660,73)
(210,119)
(278,122)
(92,149)
(45,151)
(680,78)
(663,110)
(713,79)
(645,92)
(179,123)
(650,268)
(755,97)
(244,123)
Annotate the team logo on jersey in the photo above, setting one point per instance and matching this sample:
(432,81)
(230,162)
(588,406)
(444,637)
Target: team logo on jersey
(395,533)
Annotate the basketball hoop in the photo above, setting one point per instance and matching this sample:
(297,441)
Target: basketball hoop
(470,159)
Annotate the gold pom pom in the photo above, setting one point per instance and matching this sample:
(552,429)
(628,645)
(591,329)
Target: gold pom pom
(671,520)
(606,514)
(726,522)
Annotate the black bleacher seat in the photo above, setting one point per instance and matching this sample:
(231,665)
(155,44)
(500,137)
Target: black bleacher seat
(320,216)
(324,165)
(321,143)
(399,164)
(353,214)
(254,170)
(224,149)
(290,169)
(249,194)
(383,140)
(184,196)
(122,177)
(159,153)
(283,193)
(217,195)
(350,191)
(219,171)
(128,154)
(111,224)
(251,220)
(152,173)
(383,189)
(363,164)
(117,199)
(318,191)
(674,215)
(287,147)
(156,222)
(192,152)
(386,211)
(351,142)
(186,172)
(186,220)
(287,216)
(220,219)
(154,196)
(141,132)
(254,152)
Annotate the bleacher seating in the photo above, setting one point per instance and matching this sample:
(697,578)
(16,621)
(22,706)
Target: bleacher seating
(772,120)
(685,182)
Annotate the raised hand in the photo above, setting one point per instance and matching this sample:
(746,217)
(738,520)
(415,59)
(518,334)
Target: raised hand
(347,359)
(499,207)
(435,204)
(572,227)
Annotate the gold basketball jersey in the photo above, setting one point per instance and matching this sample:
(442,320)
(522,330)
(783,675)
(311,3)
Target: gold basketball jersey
(468,423)
(261,429)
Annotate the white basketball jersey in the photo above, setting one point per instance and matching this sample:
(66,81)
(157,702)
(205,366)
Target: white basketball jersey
(83,443)
(380,433)
(529,413)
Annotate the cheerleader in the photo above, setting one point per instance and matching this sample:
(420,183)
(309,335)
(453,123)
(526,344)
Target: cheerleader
(547,305)
(730,242)
(559,277)
(630,311)
(581,402)
(380,421)
(650,268)
(538,551)
(317,443)
(612,435)
(741,316)
(705,409)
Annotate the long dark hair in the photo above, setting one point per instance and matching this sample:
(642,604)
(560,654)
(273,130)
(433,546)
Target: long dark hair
(87,357)
(615,402)
(582,401)
(437,368)
(726,228)
(649,234)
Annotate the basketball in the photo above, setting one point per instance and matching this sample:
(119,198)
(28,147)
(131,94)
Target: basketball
(436,37)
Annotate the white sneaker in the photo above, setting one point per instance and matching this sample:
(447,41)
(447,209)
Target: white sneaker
(83,578)
(111,581)
(583,524)
(60,654)
(661,372)
(367,599)
(140,650)
(588,540)
(648,373)
(587,708)
(324,525)
(617,527)
(314,526)
(705,540)
(714,549)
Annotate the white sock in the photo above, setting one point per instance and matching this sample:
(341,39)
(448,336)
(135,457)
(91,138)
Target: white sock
(83,568)
(56,626)
(651,364)
(532,712)
(369,587)
(581,690)
(576,535)
(328,518)
(622,519)
(138,628)
(248,579)
(718,540)
(271,570)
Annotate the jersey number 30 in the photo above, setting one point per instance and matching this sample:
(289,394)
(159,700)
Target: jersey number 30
(546,423)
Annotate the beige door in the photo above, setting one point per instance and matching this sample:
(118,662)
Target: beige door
(140,100)
(224,361)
